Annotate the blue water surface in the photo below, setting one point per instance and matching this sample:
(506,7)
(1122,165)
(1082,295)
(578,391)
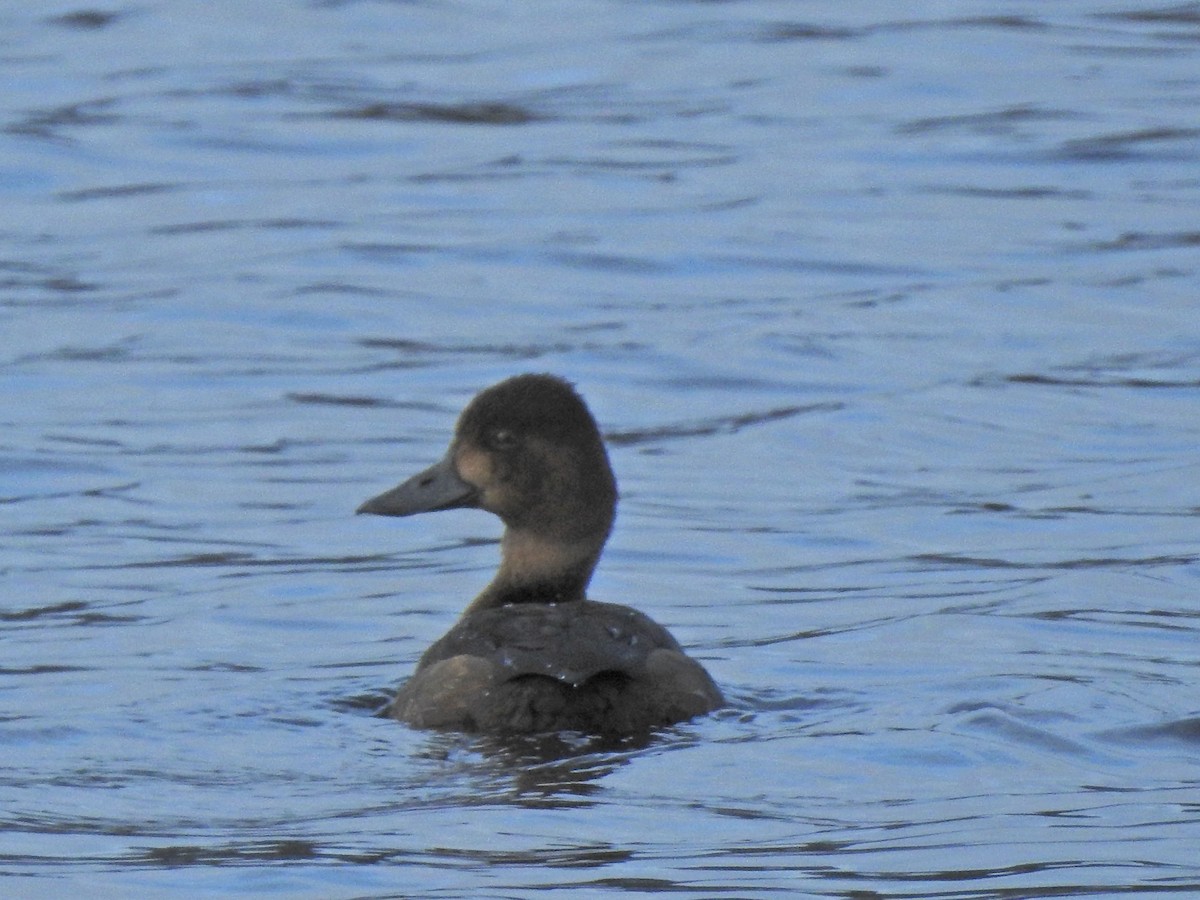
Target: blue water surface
(889,313)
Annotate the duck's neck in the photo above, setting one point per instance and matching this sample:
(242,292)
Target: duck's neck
(539,569)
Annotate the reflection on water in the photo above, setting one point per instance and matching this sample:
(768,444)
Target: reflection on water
(889,318)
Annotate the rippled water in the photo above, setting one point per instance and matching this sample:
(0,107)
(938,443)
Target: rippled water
(890,312)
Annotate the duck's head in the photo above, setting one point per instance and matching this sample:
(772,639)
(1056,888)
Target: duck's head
(528,450)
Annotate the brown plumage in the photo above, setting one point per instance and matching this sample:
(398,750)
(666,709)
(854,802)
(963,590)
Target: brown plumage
(531,654)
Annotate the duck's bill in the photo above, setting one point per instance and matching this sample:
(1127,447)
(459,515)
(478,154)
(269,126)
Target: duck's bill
(438,487)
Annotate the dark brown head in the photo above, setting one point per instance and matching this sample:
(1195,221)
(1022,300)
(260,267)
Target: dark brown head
(528,450)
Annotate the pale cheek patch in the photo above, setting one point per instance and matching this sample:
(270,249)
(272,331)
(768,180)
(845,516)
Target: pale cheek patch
(478,468)
(474,467)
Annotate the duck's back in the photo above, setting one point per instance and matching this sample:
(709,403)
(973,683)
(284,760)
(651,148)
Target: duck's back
(533,667)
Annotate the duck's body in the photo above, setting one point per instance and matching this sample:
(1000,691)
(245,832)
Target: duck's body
(534,667)
(531,653)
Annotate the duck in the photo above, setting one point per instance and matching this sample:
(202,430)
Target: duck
(531,654)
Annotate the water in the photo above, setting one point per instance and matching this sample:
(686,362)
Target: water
(890,316)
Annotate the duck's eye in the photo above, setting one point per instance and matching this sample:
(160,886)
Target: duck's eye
(502,439)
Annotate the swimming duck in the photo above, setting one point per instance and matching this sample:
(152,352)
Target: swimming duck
(531,653)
